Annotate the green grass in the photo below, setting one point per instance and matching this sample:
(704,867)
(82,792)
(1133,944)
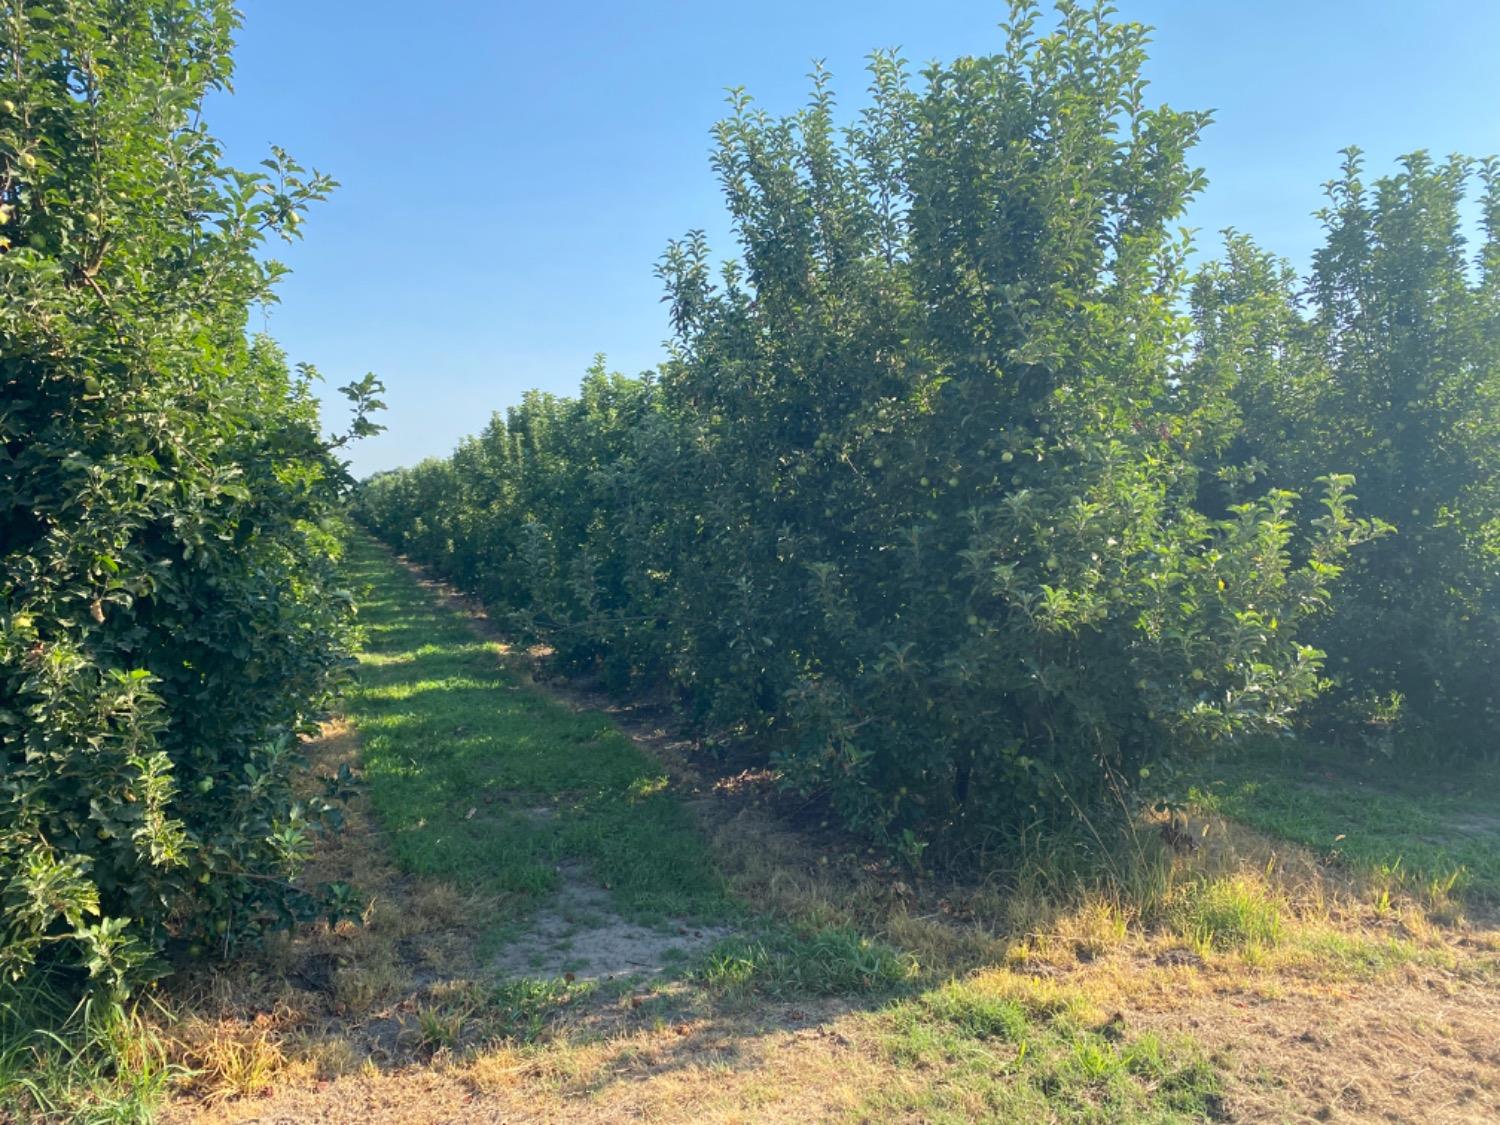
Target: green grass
(97,1064)
(483,781)
(1233,913)
(1361,956)
(827,962)
(522,1010)
(1426,830)
(993,1058)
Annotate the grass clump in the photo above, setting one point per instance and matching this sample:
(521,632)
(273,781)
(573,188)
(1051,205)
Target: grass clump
(1233,913)
(225,1060)
(826,962)
(96,1064)
(524,1009)
(1358,955)
(976,1050)
(968,1013)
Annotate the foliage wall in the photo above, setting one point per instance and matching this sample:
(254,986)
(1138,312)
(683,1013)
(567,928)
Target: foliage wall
(170,617)
(927,498)
(1386,362)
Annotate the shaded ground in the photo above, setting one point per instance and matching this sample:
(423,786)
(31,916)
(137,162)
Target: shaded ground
(1414,828)
(570,925)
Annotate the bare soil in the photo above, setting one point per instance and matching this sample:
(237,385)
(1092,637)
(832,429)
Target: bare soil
(579,935)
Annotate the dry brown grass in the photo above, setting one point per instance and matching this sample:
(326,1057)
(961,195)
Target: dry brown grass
(329,1000)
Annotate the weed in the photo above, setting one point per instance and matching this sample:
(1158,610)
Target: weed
(974,1013)
(1237,912)
(524,1010)
(225,1061)
(97,1064)
(438,1028)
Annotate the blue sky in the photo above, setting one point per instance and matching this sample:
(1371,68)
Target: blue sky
(511,172)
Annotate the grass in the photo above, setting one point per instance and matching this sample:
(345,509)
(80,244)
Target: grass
(998,1057)
(483,781)
(97,1064)
(1238,912)
(1427,832)
(522,1010)
(827,962)
(846,989)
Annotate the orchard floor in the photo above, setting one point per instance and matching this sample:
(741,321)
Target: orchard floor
(569,921)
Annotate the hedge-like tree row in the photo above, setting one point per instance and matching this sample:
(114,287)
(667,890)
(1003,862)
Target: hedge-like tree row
(1385,363)
(964,499)
(171,618)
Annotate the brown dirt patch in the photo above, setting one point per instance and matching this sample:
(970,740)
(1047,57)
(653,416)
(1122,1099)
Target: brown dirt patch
(1420,1048)
(578,933)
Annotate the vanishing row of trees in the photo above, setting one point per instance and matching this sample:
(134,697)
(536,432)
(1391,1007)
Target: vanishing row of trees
(171,617)
(964,497)
(957,492)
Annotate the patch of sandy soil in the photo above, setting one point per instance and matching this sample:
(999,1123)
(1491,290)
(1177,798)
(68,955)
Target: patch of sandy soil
(579,934)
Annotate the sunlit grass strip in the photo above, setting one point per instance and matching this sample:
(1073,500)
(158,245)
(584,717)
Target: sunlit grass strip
(482,780)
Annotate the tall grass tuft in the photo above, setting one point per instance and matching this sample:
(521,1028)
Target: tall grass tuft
(99,1063)
(1237,912)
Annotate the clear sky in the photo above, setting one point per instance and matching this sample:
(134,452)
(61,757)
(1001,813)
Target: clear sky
(512,171)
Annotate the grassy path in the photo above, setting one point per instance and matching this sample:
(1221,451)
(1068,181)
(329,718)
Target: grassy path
(482,780)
